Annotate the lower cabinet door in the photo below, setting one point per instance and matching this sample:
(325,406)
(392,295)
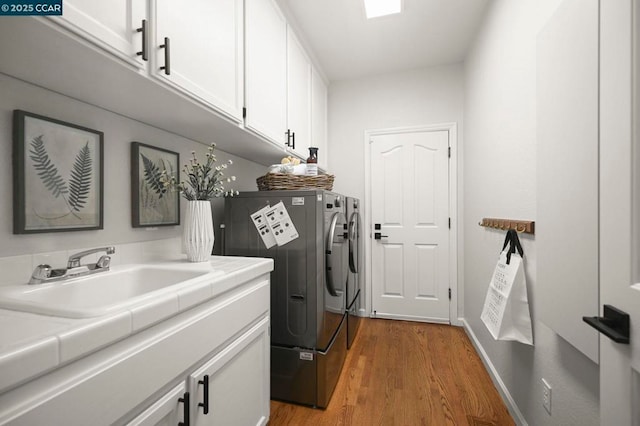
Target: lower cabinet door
(232,388)
(167,411)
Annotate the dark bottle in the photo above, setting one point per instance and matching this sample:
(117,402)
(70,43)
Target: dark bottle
(312,162)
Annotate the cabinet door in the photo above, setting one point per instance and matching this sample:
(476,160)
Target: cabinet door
(235,382)
(319,117)
(298,95)
(110,24)
(166,411)
(266,70)
(205,50)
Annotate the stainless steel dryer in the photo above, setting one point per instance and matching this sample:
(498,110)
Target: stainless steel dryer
(308,325)
(353,297)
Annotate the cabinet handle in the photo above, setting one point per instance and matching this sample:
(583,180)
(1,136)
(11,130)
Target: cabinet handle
(167,56)
(205,397)
(185,410)
(143,30)
(288,135)
(293,140)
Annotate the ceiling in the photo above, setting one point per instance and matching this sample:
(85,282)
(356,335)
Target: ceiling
(347,45)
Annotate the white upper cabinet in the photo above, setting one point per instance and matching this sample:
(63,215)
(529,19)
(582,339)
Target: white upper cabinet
(198,47)
(115,26)
(201,69)
(298,96)
(319,117)
(266,70)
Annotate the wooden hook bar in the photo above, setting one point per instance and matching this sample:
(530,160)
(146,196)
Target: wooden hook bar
(521,226)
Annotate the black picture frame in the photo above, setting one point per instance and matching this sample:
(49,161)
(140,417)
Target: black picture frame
(58,175)
(152,203)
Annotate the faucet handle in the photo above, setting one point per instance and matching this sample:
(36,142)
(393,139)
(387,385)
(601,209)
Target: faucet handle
(42,272)
(103,262)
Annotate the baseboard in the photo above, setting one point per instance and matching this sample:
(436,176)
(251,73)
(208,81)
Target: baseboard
(411,318)
(495,377)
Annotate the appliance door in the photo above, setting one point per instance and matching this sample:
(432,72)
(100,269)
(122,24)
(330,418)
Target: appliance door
(354,237)
(335,279)
(355,256)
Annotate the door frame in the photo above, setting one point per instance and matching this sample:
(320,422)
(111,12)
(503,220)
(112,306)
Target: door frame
(456,295)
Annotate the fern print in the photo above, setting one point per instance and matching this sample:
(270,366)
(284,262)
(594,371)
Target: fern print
(80,181)
(152,174)
(47,171)
(75,193)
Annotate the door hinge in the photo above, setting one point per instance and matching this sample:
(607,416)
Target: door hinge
(449,152)
(449,223)
(449,294)
(244,115)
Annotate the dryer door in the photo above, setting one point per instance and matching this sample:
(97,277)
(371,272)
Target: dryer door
(336,257)
(335,279)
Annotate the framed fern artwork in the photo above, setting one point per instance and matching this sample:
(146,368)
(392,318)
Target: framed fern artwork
(153,203)
(57,175)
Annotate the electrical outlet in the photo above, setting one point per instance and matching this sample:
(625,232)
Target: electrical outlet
(546,396)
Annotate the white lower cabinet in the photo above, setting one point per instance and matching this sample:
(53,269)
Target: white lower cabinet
(143,379)
(166,411)
(231,388)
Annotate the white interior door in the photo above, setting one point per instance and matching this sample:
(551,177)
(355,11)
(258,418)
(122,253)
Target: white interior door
(409,189)
(620,207)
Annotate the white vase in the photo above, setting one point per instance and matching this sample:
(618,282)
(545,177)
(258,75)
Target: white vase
(198,234)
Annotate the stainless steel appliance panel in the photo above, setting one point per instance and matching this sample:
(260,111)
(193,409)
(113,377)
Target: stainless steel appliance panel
(308,288)
(355,275)
(295,295)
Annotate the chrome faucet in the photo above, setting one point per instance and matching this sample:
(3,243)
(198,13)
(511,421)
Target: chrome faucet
(103,262)
(46,274)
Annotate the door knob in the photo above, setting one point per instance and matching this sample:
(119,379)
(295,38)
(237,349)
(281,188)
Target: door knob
(614,324)
(379,236)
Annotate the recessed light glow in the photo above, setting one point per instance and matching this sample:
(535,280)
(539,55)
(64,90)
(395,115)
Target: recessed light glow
(376,8)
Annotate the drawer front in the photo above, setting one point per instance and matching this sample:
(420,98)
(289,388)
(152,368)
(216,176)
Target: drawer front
(103,387)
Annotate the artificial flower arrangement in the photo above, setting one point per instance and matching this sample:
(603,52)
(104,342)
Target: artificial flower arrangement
(204,180)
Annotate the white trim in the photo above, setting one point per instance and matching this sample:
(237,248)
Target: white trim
(409,318)
(495,377)
(452,128)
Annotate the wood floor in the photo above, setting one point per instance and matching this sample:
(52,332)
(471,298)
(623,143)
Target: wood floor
(406,373)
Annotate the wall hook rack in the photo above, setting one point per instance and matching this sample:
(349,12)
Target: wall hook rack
(520,226)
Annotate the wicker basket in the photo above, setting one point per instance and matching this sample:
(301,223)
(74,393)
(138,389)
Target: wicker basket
(278,181)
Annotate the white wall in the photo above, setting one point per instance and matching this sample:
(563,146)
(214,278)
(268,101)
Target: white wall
(119,132)
(411,98)
(500,181)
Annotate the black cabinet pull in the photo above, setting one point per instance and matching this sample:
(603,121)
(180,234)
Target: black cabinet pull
(614,324)
(143,30)
(288,135)
(293,140)
(185,410)
(167,56)
(205,403)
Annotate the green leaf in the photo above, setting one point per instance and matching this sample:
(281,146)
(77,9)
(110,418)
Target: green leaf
(80,182)
(152,175)
(47,171)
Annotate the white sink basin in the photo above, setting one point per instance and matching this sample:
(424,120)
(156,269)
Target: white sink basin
(98,294)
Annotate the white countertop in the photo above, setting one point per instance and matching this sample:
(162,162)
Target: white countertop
(31,344)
